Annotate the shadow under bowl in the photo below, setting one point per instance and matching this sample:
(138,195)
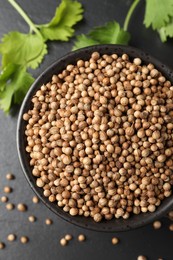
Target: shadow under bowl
(113,225)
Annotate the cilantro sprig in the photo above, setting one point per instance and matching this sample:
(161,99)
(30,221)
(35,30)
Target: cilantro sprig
(158,15)
(23,51)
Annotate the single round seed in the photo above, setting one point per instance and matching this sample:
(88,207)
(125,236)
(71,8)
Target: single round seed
(157,224)
(11,237)
(141,257)
(81,238)
(68,237)
(35,199)
(32,218)
(24,239)
(63,242)
(171,227)
(22,207)
(170,214)
(4,199)
(115,240)
(97,217)
(9,206)
(10,176)
(48,221)
(7,189)
(2,245)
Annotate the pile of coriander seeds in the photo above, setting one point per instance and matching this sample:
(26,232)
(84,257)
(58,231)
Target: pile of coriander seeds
(100,137)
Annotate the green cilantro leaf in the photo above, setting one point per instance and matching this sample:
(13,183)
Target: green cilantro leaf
(110,33)
(16,86)
(67,14)
(166,31)
(83,41)
(5,74)
(158,13)
(22,49)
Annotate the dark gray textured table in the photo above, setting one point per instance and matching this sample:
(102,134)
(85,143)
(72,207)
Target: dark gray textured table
(44,240)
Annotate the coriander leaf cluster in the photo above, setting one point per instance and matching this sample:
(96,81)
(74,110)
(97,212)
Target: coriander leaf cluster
(21,51)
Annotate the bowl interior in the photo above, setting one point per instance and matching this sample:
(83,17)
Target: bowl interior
(115,224)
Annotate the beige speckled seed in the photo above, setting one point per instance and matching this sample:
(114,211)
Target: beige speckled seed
(10,176)
(35,199)
(9,206)
(21,207)
(141,257)
(63,242)
(68,237)
(48,221)
(2,245)
(115,240)
(171,227)
(24,239)
(7,189)
(32,219)
(4,199)
(157,224)
(81,238)
(11,237)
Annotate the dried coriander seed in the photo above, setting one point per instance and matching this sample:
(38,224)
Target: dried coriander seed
(24,239)
(35,199)
(115,240)
(170,215)
(11,237)
(141,257)
(63,242)
(32,218)
(2,245)
(81,238)
(48,221)
(171,227)
(22,207)
(9,206)
(7,189)
(68,237)
(4,199)
(10,176)
(157,224)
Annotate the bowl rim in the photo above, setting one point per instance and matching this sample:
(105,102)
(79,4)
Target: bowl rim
(114,225)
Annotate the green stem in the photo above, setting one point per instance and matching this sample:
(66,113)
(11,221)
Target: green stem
(25,16)
(129,14)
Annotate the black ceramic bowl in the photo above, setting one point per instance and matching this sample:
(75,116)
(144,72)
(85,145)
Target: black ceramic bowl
(115,224)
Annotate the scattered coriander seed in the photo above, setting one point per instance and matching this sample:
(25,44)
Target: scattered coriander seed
(11,237)
(7,189)
(170,215)
(24,239)
(171,227)
(10,176)
(157,224)
(115,240)
(68,237)
(4,199)
(35,199)
(141,257)
(22,207)
(63,242)
(9,206)
(81,238)
(32,218)
(2,245)
(48,221)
